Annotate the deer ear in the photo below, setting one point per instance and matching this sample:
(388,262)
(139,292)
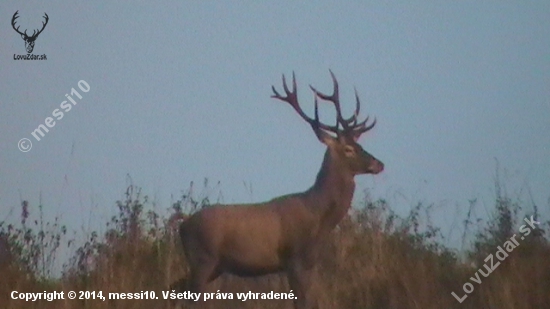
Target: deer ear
(324,137)
(357,135)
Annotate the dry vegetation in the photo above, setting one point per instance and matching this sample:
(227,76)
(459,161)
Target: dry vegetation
(374,259)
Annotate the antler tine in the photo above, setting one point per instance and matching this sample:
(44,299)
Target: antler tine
(353,119)
(292,98)
(293,84)
(335,99)
(43,25)
(316,113)
(13,22)
(333,129)
(360,129)
(357,108)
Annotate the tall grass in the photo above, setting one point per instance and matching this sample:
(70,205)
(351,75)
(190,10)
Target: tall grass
(374,259)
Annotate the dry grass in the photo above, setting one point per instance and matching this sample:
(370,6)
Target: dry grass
(373,260)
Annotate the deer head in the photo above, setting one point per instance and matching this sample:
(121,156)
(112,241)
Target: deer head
(343,145)
(29,40)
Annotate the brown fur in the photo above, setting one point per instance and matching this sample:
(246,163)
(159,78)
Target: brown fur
(283,234)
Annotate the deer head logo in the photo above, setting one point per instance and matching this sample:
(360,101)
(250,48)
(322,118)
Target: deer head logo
(29,40)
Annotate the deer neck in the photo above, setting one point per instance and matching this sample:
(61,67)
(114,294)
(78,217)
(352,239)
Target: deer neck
(332,192)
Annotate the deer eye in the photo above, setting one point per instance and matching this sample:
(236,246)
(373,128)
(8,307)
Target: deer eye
(349,151)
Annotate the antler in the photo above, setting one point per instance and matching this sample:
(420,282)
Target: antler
(43,26)
(13,24)
(335,98)
(34,33)
(292,99)
(349,126)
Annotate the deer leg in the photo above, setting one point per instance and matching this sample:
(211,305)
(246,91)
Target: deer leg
(179,285)
(299,279)
(204,272)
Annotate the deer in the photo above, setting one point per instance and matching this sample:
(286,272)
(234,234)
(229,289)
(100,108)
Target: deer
(29,40)
(283,235)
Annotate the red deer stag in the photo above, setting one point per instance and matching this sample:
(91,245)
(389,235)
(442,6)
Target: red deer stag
(283,234)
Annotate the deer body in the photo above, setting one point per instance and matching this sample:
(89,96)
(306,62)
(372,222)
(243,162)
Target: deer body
(284,234)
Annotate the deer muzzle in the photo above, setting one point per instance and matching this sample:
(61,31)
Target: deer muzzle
(376,167)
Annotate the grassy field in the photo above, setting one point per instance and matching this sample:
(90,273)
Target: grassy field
(374,259)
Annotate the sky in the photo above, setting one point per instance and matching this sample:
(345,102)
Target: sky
(179,91)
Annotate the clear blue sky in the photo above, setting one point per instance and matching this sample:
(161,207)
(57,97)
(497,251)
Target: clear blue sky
(181,91)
